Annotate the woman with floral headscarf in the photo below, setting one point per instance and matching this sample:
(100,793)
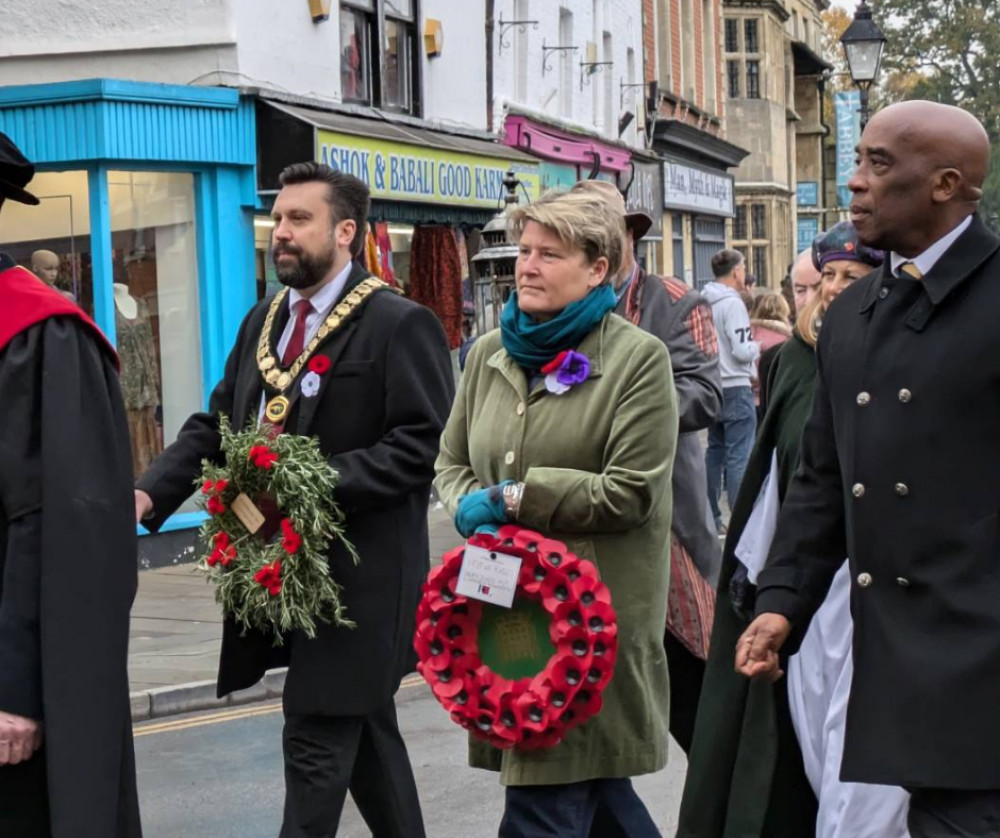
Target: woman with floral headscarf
(765,760)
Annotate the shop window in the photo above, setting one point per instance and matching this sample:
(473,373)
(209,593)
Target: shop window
(732,35)
(709,239)
(157,317)
(758,217)
(733,73)
(391,83)
(740,223)
(760,264)
(678,236)
(53,238)
(753,79)
(750,35)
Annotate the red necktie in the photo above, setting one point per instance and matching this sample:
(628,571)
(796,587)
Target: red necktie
(297,341)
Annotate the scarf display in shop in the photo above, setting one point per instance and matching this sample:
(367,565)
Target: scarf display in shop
(533,343)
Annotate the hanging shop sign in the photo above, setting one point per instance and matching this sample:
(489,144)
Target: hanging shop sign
(400,172)
(690,188)
(645,194)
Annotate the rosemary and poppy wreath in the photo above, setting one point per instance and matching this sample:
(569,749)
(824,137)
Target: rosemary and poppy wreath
(271,520)
(533,706)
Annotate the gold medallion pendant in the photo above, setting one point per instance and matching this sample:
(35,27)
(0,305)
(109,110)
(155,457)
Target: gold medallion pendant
(276,409)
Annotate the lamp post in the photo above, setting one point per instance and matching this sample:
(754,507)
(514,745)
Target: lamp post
(863,45)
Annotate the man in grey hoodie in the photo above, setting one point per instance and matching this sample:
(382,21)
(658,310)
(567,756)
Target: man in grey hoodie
(730,439)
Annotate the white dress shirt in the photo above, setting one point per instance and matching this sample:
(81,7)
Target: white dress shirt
(926,260)
(322,301)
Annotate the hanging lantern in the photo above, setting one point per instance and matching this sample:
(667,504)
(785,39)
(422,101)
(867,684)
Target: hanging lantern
(493,266)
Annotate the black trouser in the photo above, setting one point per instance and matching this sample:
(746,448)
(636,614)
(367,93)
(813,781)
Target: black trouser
(24,799)
(569,810)
(686,674)
(327,755)
(951,813)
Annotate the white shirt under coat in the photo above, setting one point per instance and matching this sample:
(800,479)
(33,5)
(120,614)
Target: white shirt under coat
(929,258)
(322,302)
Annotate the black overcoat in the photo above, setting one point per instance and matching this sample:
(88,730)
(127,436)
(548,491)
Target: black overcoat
(379,415)
(899,465)
(68,573)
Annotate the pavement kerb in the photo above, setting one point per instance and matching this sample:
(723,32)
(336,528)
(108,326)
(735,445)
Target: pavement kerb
(176,699)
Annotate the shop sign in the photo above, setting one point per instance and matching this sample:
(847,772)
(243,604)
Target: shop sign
(556,176)
(807,193)
(645,194)
(808,229)
(697,190)
(400,172)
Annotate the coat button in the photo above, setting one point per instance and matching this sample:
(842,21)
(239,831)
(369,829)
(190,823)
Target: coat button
(858,490)
(520,408)
(863,398)
(509,459)
(905,395)
(864,580)
(903,582)
(883,293)
(902,490)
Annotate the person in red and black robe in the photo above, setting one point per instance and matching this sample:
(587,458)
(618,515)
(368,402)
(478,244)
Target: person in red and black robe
(67,562)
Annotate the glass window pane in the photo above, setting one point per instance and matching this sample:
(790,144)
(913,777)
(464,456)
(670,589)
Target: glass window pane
(355,56)
(732,35)
(750,35)
(760,265)
(398,52)
(753,80)
(399,8)
(733,72)
(53,239)
(759,220)
(157,318)
(740,223)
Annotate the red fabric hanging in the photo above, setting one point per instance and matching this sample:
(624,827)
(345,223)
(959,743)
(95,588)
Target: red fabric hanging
(436,277)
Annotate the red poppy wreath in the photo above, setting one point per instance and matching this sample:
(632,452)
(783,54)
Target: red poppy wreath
(532,711)
(271,519)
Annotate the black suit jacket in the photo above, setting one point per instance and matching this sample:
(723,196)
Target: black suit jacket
(379,415)
(898,471)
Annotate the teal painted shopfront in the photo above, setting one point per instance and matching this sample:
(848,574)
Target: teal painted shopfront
(147,196)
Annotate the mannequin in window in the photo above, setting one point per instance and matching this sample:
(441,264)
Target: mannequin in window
(140,378)
(45,265)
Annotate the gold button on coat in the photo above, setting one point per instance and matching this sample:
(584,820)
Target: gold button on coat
(864,580)
(902,490)
(509,459)
(864,399)
(858,490)
(905,395)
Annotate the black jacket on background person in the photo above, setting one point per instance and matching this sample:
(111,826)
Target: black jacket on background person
(898,472)
(378,415)
(68,569)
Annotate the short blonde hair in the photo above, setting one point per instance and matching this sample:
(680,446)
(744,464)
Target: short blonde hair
(770,306)
(582,219)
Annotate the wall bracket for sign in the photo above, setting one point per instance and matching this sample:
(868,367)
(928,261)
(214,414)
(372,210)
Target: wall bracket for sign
(505,25)
(622,87)
(588,68)
(546,50)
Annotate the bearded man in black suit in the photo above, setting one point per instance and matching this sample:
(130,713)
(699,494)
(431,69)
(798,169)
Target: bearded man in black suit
(378,415)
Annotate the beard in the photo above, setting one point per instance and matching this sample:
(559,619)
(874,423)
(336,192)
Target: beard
(309,268)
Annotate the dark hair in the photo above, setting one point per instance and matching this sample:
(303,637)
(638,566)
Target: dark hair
(725,262)
(348,196)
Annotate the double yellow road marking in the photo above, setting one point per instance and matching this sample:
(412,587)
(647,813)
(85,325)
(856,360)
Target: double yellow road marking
(234,714)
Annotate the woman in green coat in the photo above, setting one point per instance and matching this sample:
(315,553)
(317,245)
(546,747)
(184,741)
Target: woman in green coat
(746,777)
(584,458)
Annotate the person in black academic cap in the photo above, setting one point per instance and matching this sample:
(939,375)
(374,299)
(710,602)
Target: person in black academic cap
(67,562)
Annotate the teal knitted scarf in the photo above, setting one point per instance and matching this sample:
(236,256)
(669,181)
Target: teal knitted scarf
(532,343)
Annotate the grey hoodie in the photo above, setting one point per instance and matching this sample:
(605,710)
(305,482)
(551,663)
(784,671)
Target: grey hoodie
(737,349)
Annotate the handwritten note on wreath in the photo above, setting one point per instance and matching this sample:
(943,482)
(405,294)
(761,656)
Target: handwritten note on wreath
(250,516)
(488,576)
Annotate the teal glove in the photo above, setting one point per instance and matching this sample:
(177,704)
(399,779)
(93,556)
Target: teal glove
(480,508)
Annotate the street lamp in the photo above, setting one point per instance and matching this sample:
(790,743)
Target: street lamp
(863,44)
